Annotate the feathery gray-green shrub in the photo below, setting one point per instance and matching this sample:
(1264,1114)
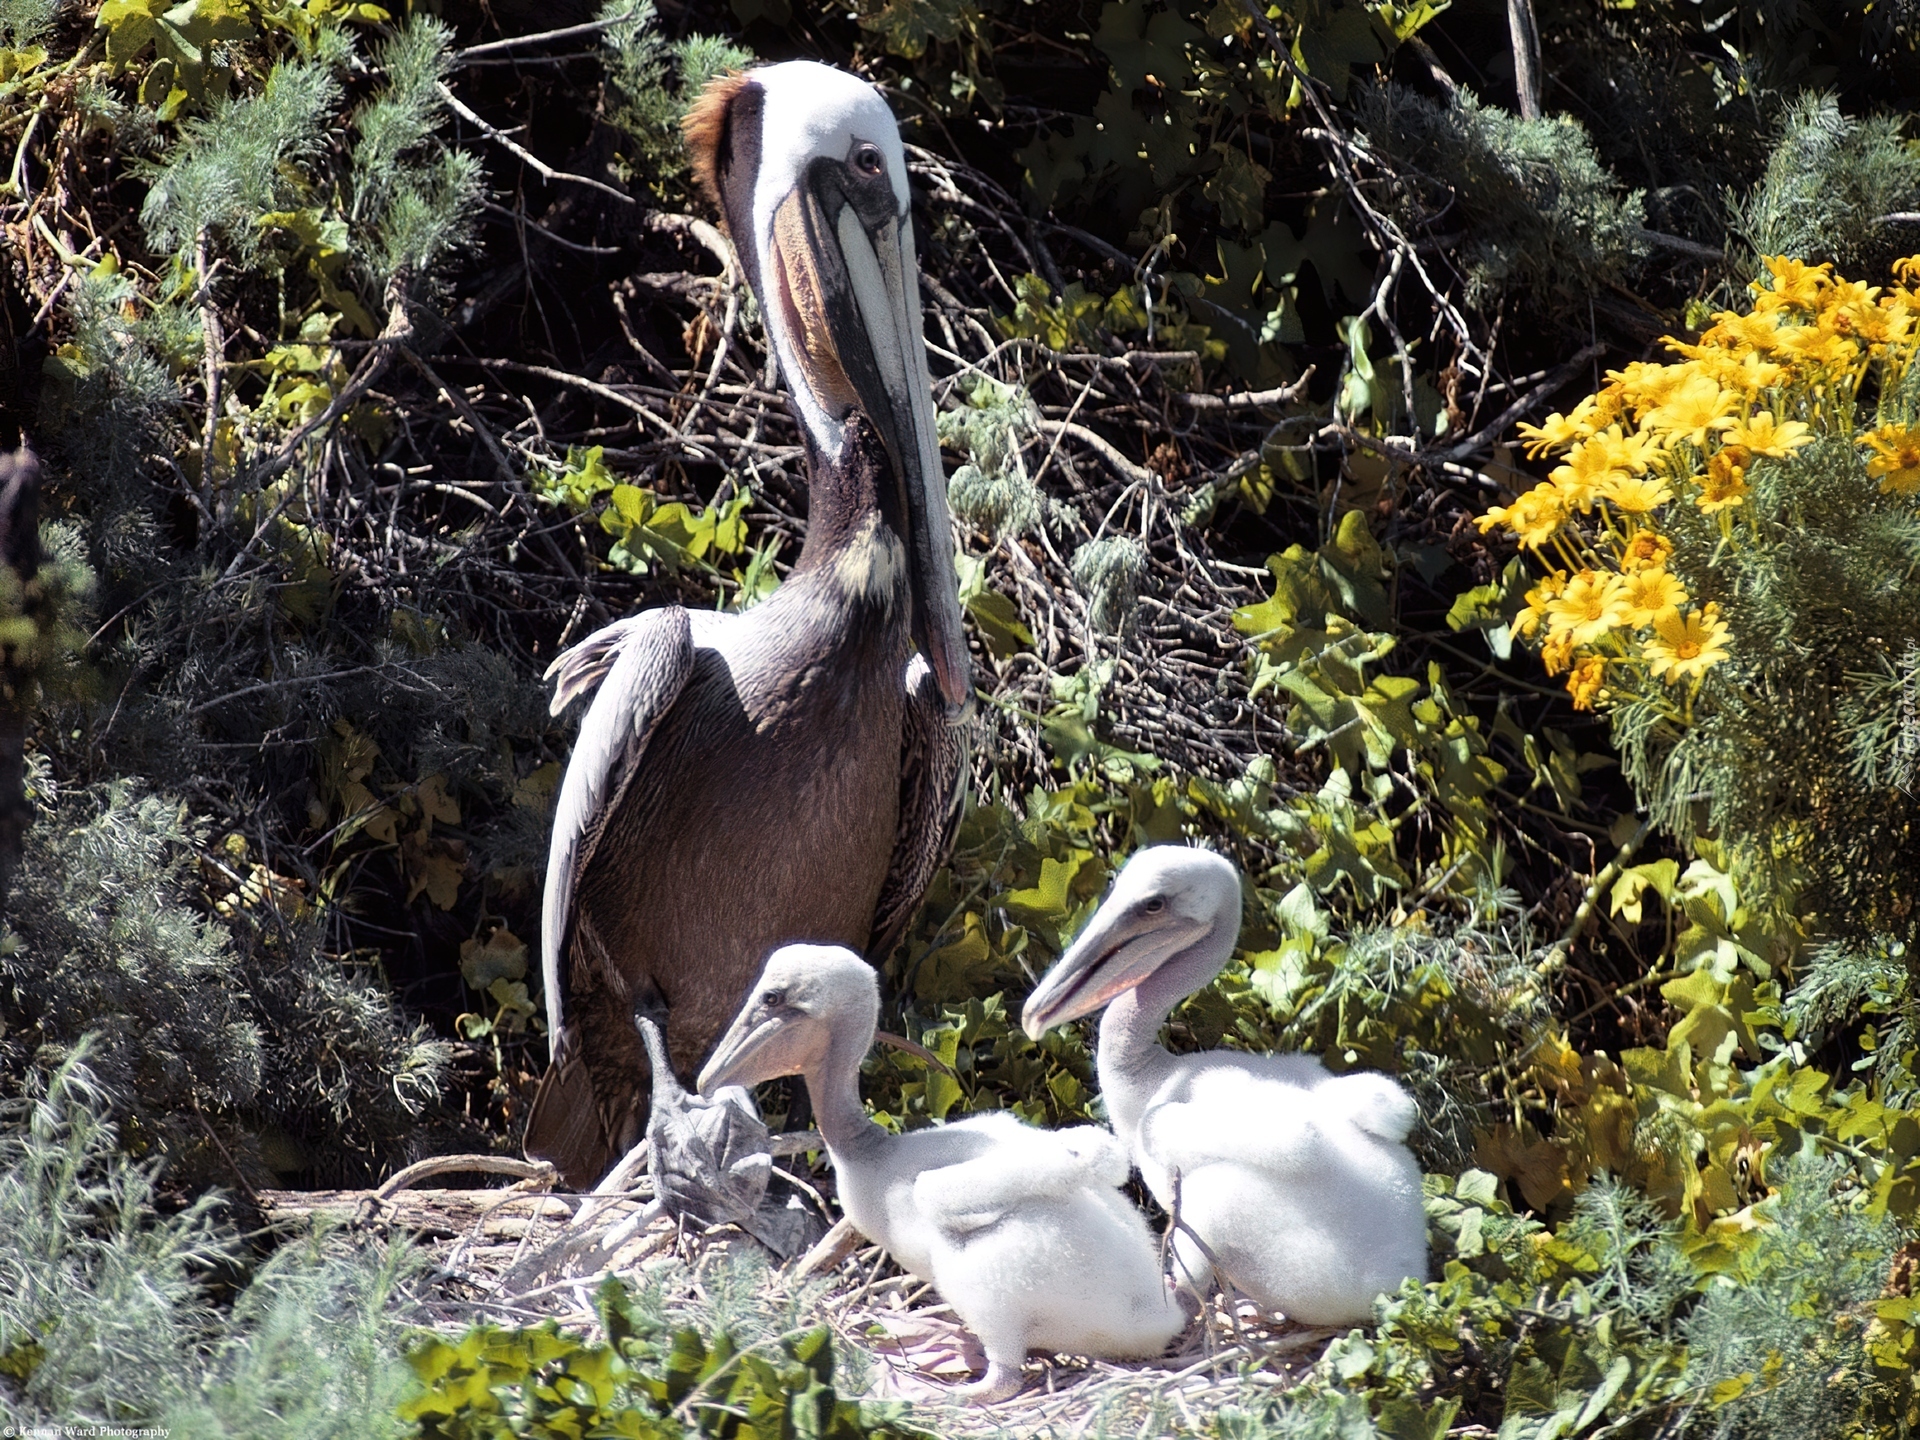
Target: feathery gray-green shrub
(650,83)
(1539,210)
(109,1307)
(1829,181)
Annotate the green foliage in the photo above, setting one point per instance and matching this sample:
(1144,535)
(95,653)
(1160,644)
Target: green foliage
(651,81)
(991,490)
(311,1349)
(1829,183)
(1794,753)
(215,1053)
(108,1308)
(41,638)
(108,390)
(99,1296)
(650,1379)
(416,196)
(104,941)
(1109,572)
(648,533)
(22,22)
(1542,212)
(242,160)
(1776,1342)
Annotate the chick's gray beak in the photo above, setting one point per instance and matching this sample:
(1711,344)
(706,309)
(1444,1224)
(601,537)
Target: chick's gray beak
(1113,954)
(746,1055)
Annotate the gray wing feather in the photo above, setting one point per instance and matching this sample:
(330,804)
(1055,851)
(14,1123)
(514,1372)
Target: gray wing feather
(640,665)
(932,771)
(580,668)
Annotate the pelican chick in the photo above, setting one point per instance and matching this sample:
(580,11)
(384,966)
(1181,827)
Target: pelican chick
(1298,1181)
(1023,1231)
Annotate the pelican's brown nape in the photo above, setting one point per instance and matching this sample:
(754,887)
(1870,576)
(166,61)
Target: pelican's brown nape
(790,773)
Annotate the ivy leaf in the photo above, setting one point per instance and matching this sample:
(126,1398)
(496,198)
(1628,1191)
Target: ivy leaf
(906,27)
(501,956)
(1139,46)
(952,972)
(1630,889)
(436,803)
(1239,189)
(1351,37)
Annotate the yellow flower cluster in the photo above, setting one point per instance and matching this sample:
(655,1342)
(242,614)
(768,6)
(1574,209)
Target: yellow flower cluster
(1755,387)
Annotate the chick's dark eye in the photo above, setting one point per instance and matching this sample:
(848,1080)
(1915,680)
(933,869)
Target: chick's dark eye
(1154,906)
(774,999)
(867,160)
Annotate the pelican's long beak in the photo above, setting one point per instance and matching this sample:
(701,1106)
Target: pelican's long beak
(1119,948)
(750,1051)
(842,270)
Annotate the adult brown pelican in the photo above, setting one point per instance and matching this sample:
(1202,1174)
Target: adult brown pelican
(786,774)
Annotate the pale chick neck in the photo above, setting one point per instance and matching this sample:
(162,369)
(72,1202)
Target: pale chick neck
(834,1087)
(1131,1062)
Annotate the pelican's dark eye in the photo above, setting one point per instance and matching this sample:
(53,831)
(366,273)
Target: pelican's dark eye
(867,160)
(1154,906)
(774,999)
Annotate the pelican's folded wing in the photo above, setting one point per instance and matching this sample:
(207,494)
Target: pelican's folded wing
(1233,1117)
(1371,1101)
(1022,1168)
(642,664)
(579,669)
(932,761)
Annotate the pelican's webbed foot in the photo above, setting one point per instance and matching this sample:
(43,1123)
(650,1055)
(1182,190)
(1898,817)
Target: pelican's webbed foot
(1002,1381)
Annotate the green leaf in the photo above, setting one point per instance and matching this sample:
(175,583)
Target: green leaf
(998,620)
(907,27)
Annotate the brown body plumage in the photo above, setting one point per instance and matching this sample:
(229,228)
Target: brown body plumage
(764,805)
(788,774)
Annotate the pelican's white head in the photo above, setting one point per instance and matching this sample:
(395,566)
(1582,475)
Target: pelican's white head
(806,995)
(1165,902)
(806,165)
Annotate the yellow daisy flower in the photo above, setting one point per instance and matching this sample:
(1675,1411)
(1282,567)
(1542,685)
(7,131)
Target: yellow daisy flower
(1844,302)
(1557,653)
(1896,458)
(1896,318)
(1646,550)
(1609,404)
(1758,332)
(1584,683)
(1725,483)
(1627,452)
(1533,517)
(1820,349)
(1749,375)
(1685,647)
(1558,431)
(1585,476)
(1637,494)
(1794,283)
(1590,606)
(1692,408)
(1538,598)
(1649,594)
(1643,385)
(1762,435)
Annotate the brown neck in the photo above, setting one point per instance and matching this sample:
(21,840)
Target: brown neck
(853,500)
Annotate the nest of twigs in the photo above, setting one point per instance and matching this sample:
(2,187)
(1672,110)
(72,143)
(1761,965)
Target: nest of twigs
(527,1252)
